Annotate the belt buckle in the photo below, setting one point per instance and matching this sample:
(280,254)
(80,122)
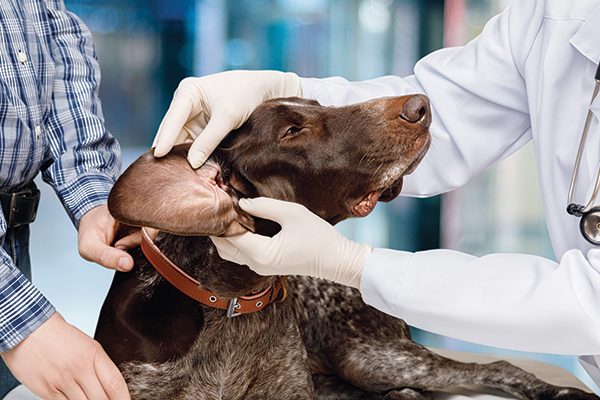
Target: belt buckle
(233,305)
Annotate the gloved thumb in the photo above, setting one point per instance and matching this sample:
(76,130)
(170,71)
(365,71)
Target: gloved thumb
(276,210)
(217,128)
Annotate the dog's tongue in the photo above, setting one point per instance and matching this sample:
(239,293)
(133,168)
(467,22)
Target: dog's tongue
(366,205)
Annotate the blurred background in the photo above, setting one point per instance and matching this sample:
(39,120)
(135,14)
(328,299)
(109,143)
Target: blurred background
(146,47)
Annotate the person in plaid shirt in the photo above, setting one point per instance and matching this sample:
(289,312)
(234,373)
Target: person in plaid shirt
(51,121)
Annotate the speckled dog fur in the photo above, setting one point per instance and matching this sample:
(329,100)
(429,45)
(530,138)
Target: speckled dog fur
(323,341)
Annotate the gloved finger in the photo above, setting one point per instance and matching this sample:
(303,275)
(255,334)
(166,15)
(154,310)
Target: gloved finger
(276,210)
(130,241)
(110,377)
(172,124)
(251,245)
(93,248)
(248,249)
(157,134)
(217,128)
(227,250)
(186,134)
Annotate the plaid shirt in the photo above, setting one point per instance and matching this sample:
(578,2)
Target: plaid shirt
(50,120)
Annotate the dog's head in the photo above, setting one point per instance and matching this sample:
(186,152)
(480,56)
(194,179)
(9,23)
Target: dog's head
(337,161)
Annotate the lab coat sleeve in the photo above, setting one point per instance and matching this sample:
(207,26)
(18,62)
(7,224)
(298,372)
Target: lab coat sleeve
(514,301)
(478,96)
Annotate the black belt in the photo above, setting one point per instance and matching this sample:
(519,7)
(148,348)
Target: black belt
(20,207)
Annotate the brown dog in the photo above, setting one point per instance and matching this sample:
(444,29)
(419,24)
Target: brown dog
(323,341)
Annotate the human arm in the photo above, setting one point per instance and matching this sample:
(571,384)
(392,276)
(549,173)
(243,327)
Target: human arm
(44,352)
(85,156)
(515,301)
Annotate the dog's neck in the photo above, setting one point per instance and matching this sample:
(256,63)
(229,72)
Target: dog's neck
(198,257)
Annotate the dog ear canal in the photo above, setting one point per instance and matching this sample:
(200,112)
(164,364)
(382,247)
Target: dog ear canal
(169,195)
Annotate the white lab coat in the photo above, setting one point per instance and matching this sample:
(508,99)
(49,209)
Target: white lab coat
(528,76)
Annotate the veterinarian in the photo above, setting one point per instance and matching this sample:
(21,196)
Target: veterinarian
(528,76)
(51,121)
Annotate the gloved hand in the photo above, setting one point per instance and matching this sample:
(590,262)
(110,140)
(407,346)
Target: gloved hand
(306,245)
(216,104)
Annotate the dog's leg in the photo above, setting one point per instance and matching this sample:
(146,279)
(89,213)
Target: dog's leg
(385,365)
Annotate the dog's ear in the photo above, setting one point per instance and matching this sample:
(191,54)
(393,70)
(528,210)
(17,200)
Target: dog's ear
(169,195)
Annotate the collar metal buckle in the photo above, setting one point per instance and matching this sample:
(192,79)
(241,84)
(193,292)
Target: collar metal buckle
(232,307)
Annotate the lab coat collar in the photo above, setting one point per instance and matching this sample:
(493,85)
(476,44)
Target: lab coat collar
(586,38)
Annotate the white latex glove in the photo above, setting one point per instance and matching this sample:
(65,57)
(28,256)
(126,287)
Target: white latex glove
(306,245)
(216,104)
(58,361)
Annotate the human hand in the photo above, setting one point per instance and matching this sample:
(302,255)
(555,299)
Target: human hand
(58,361)
(216,104)
(96,233)
(306,245)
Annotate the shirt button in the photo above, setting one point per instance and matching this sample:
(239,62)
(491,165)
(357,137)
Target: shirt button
(22,57)
(38,131)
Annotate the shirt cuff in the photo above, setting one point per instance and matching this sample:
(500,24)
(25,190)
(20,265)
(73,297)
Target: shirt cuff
(22,309)
(84,193)
(383,276)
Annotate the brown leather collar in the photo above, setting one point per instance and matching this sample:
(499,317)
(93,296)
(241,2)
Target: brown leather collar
(191,287)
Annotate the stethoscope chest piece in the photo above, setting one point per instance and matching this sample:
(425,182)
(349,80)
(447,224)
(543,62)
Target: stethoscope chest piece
(589,225)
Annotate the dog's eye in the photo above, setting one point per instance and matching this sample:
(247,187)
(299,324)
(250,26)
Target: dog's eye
(291,132)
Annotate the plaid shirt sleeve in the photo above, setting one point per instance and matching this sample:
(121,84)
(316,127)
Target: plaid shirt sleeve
(86,158)
(22,307)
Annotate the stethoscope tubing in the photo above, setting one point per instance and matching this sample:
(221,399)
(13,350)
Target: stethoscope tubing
(577,209)
(580,150)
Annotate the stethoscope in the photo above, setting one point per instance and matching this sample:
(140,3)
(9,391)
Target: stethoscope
(589,225)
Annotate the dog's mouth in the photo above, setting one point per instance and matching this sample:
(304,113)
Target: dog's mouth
(367,204)
(395,175)
(391,192)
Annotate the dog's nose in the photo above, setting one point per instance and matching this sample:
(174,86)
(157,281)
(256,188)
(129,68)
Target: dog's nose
(416,109)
